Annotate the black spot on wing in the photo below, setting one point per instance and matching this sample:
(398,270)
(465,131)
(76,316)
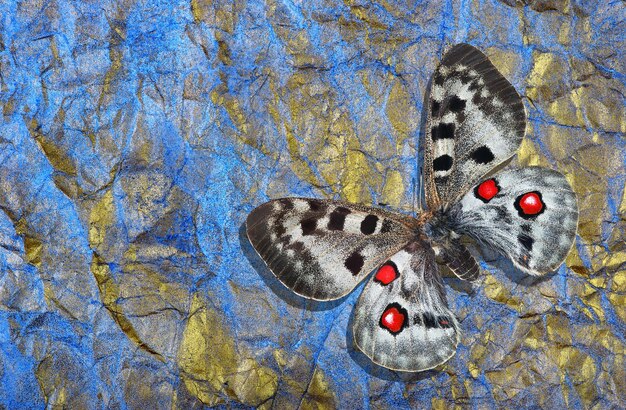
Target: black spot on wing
(475,87)
(442,163)
(482,155)
(439,78)
(338,218)
(465,77)
(368,225)
(407,290)
(434,108)
(477,99)
(460,117)
(308,226)
(387,226)
(456,104)
(316,206)
(443,130)
(526,240)
(286,203)
(502,215)
(441,180)
(354,263)
(279,229)
(429,320)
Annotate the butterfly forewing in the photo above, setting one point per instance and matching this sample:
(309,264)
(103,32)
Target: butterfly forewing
(402,320)
(322,249)
(476,120)
(528,214)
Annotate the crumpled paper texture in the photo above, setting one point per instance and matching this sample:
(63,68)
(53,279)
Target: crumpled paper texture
(136,137)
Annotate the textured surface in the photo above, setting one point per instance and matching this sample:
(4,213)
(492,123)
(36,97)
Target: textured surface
(136,137)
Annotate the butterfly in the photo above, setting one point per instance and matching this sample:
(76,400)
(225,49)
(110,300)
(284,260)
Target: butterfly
(322,249)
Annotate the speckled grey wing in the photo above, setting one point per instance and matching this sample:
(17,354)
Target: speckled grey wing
(535,235)
(476,120)
(322,249)
(402,320)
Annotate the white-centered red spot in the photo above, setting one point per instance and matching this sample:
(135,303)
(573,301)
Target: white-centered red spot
(531,203)
(386,274)
(487,190)
(393,319)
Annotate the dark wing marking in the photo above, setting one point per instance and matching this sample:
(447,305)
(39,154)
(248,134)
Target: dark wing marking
(402,320)
(322,249)
(476,120)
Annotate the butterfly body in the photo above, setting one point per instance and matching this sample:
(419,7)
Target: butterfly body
(322,249)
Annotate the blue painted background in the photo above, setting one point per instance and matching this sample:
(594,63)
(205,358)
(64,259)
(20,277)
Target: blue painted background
(136,137)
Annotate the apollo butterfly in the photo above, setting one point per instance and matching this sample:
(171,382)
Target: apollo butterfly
(322,249)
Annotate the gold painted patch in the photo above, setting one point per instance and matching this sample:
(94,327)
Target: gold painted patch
(213,365)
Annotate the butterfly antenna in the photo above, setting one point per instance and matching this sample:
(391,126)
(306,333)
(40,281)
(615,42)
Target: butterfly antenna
(420,193)
(413,200)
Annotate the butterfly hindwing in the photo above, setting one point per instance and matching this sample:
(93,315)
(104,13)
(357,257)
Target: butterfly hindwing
(476,120)
(528,214)
(322,249)
(402,320)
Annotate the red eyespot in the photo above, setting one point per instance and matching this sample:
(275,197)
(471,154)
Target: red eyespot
(487,190)
(386,274)
(529,204)
(393,318)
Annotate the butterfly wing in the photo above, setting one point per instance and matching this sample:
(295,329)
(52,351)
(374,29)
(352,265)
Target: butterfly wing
(528,214)
(402,320)
(476,120)
(322,249)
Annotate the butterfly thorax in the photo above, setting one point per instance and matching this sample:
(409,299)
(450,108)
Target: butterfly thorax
(437,226)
